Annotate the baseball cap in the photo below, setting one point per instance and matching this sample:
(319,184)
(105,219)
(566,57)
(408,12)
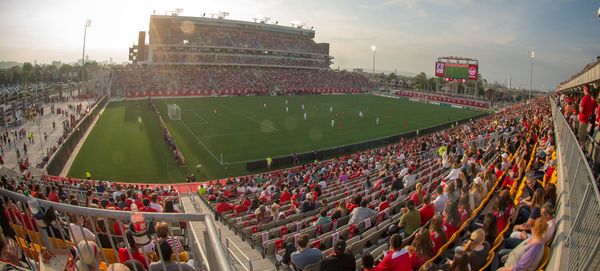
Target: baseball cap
(505,155)
(340,246)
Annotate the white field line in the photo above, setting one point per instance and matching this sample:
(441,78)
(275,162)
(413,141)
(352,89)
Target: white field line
(201,143)
(199,116)
(241,114)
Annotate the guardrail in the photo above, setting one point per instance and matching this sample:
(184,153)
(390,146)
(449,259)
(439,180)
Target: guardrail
(232,253)
(59,158)
(39,237)
(582,199)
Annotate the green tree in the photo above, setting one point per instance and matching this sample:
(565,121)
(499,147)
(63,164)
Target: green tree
(420,81)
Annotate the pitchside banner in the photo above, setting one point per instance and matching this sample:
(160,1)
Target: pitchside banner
(473,72)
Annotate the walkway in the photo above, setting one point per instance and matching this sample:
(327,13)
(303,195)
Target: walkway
(37,149)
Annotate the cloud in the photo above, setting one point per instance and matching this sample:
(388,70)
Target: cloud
(406,3)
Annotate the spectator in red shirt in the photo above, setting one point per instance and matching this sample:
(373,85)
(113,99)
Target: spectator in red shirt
(427,210)
(451,218)
(285,196)
(223,206)
(437,232)
(134,250)
(147,207)
(53,195)
(586,108)
(397,258)
(240,208)
(417,196)
(247,203)
(353,204)
(421,249)
(384,204)
(503,209)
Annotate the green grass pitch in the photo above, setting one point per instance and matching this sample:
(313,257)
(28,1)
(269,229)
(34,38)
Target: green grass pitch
(240,129)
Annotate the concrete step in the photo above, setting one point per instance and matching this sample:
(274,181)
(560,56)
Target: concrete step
(240,249)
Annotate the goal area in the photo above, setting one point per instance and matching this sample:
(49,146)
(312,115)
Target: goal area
(174,112)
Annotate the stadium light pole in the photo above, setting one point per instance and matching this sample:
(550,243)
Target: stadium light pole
(531,55)
(373,49)
(88,23)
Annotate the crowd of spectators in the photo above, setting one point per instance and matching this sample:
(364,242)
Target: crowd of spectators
(466,184)
(172,34)
(222,80)
(240,59)
(100,234)
(581,109)
(489,156)
(443,99)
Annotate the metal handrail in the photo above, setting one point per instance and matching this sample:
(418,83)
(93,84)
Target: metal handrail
(582,200)
(220,261)
(578,149)
(228,242)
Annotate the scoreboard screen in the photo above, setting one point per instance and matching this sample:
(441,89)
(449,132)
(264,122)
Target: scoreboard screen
(456,70)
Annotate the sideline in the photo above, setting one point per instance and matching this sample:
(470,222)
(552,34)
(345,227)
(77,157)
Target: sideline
(69,163)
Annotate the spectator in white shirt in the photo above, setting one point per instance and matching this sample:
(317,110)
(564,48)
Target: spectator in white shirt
(77,231)
(440,200)
(154,203)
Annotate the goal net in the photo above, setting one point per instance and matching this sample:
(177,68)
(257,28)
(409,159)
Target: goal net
(174,112)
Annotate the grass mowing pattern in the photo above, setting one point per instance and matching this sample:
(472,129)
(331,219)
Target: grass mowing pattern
(241,129)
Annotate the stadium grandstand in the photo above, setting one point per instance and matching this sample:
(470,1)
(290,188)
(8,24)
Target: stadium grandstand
(198,56)
(513,189)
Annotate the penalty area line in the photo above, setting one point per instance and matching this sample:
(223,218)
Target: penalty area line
(201,143)
(242,114)
(198,115)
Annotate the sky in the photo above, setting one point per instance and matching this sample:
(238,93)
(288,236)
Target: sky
(409,34)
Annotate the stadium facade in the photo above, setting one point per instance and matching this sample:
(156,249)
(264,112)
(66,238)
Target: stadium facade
(218,41)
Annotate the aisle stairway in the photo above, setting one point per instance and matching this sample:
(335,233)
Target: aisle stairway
(194,204)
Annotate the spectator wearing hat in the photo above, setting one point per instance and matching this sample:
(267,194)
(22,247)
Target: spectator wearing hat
(505,162)
(133,248)
(340,260)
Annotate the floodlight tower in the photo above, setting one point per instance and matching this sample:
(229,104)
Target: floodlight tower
(373,49)
(531,55)
(88,23)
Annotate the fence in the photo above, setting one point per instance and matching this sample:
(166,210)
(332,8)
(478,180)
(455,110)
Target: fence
(287,160)
(60,157)
(37,235)
(582,199)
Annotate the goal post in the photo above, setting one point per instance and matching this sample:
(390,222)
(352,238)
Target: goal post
(174,112)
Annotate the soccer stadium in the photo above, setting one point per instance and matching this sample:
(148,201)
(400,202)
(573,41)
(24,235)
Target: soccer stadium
(227,143)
